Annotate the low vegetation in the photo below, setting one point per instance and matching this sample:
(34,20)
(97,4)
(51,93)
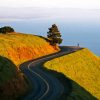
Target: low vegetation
(12,83)
(83,67)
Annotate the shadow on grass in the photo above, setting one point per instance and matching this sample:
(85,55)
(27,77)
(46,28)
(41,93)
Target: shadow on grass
(13,84)
(72,90)
(43,38)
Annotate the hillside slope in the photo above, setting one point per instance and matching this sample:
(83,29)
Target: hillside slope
(83,67)
(15,49)
(22,47)
(12,82)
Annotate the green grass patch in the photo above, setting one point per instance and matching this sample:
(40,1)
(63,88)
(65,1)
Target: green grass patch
(7,70)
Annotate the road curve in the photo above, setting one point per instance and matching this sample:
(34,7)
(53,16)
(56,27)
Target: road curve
(44,85)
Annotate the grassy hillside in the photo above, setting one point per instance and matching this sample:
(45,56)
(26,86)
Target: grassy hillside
(83,67)
(7,70)
(16,48)
(12,83)
(22,47)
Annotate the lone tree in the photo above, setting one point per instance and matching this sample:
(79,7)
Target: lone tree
(6,29)
(54,35)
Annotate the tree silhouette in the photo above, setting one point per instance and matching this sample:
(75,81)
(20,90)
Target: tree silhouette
(54,35)
(6,29)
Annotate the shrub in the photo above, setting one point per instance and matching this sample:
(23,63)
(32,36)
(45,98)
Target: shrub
(6,29)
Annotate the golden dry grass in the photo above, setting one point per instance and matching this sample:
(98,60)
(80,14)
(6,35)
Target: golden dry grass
(20,47)
(16,48)
(82,67)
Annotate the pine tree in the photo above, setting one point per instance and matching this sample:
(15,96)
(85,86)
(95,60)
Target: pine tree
(54,35)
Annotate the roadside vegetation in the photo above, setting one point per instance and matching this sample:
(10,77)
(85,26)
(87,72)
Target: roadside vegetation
(82,67)
(7,69)
(12,82)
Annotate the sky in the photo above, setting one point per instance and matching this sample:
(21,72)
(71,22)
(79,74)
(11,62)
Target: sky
(72,10)
(84,4)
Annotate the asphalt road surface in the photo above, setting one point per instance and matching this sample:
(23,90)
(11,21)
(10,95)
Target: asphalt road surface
(44,85)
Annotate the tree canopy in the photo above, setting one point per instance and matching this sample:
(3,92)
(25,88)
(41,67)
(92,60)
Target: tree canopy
(54,35)
(6,29)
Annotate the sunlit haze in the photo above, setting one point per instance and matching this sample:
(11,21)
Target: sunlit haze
(32,9)
(85,4)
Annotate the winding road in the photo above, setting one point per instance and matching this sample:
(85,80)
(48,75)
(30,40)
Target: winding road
(44,85)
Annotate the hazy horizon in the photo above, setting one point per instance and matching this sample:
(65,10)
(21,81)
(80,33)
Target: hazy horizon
(85,4)
(32,13)
(79,21)
(84,33)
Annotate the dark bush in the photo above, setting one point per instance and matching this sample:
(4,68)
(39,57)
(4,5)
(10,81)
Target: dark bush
(6,29)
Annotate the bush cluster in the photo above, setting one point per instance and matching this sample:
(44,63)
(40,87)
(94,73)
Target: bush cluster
(6,29)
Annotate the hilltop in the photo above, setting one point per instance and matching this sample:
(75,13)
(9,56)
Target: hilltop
(20,47)
(16,48)
(82,69)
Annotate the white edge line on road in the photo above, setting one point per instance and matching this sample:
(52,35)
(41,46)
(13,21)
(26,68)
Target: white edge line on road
(41,78)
